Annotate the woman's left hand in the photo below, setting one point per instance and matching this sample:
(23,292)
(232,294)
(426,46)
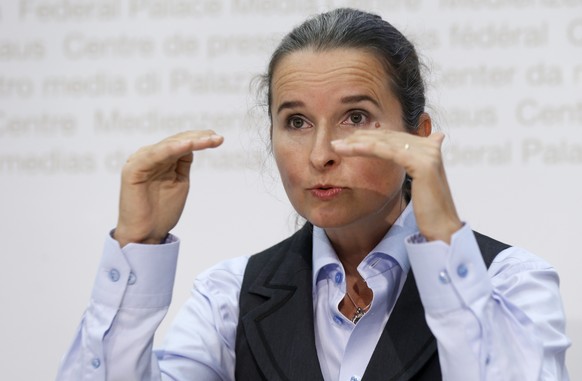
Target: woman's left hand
(421,157)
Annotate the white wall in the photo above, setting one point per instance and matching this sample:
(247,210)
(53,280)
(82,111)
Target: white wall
(84,83)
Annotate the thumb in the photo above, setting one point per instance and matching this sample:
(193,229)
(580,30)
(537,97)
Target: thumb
(437,137)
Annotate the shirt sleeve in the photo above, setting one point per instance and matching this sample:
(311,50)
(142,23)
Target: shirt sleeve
(505,323)
(201,340)
(130,297)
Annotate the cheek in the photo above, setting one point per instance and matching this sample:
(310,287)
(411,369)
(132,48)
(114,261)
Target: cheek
(378,176)
(285,164)
(291,176)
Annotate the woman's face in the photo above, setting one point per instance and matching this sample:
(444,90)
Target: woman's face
(318,97)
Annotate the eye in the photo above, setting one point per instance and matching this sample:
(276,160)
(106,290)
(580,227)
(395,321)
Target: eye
(296,122)
(356,118)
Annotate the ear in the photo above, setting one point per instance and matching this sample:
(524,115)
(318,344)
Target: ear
(424,125)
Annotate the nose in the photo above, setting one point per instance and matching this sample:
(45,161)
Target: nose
(322,156)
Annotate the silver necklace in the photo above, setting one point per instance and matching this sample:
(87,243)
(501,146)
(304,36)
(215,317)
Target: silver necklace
(360,312)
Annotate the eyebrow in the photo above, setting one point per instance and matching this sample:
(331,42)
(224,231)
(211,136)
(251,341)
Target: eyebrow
(345,100)
(290,104)
(359,98)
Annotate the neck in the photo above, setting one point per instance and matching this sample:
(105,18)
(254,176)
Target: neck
(353,242)
(352,246)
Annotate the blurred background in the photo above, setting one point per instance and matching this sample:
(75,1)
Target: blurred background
(85,83)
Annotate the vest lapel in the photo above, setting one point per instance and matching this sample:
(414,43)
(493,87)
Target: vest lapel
(276,339)
(284,284)
(407,343)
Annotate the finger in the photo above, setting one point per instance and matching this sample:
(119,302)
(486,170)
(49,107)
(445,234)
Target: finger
(180,146)
(184,143)
(199,140)
(183,166)
(375,144)
(437,137)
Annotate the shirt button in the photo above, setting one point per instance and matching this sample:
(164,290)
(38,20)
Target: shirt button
(338,320)
(462,270)
(96,363)
(444,277)
(132,279)
(114,275)
(355,378)
(338,278)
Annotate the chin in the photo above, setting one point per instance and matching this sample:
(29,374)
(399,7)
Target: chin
(328,222)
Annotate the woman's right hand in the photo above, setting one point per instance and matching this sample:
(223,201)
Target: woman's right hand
(154,186)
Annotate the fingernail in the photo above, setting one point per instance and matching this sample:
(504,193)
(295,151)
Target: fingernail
(211,137)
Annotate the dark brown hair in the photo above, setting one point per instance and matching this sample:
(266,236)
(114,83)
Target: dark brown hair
(351,28)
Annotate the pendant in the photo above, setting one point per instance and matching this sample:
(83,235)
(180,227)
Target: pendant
(358,315)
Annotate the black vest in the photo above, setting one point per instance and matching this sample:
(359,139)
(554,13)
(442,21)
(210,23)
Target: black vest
(275,338)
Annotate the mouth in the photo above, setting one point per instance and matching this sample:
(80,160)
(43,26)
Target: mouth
(326,192)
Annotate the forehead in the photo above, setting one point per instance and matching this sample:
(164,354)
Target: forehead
(337,69)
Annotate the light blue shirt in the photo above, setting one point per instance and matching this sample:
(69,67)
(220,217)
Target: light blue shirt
(505,323)
(344,348)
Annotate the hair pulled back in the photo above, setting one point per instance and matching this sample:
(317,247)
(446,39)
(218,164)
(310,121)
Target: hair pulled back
(351,28)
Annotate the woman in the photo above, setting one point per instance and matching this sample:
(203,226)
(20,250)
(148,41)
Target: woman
(338,300)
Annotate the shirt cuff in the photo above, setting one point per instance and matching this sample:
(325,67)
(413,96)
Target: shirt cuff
(137,275)
(448,277)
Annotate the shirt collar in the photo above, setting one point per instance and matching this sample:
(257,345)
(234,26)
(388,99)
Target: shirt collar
(325,259)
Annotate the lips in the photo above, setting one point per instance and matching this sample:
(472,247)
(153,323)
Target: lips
(326,192)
